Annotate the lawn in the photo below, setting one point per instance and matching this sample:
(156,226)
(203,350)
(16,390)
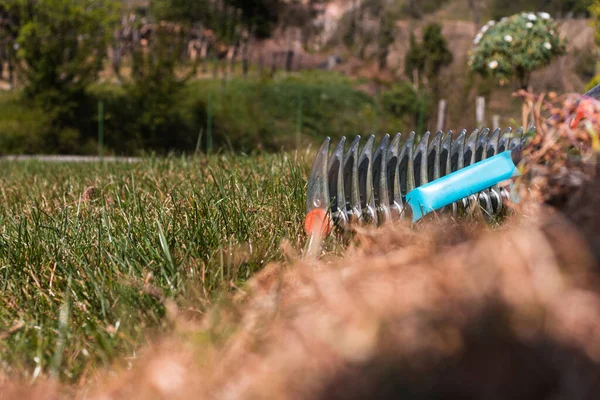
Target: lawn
(85,272)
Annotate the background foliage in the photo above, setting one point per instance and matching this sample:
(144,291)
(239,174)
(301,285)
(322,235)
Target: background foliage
(62,48)
(516,46)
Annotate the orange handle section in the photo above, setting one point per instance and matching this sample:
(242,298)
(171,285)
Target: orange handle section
(318,220)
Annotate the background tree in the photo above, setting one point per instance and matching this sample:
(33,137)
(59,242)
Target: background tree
(418,8)
(501,8)
(61,48)
(429,57)
(595,14)
(414,60)
(263,15)
(9,31)
(476,6)
(62,44)
(155,89)
(437,54)
(515,47)
(386,38)
(594,10)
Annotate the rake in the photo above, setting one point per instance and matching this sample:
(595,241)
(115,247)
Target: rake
(400,180)
(376,185)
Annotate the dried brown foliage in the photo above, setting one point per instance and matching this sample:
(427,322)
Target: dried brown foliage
(449,310)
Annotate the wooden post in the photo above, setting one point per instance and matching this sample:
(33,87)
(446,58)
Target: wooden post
(441,122)
(376,111)
(416,79)
(274,59)
(480,111)
(421,115)
(496,121)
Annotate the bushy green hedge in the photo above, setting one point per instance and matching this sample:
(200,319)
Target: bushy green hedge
(252,114)
(516,47)
(246,115)
(22,129)
(403,101)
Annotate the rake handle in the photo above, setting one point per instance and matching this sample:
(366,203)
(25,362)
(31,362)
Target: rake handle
(463,183)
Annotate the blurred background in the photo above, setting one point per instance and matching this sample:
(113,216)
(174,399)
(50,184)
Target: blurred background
(187,76)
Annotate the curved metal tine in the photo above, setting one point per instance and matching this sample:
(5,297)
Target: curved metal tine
(439,154)
(492,150)
(406,166)
(480,154)
(516,139)
(484,197)
(445,152)
(481,147)
(503,141)
(337,198)
(457,161)
(380,187)
(469,152)
(353,209)
(496,200)
(466,205)
(486,204)
(457,158)
(469,159)
(420,160)
(365,182)
(505,195)
(393,178)
(506,143)
(317,194)
(433,157)
(492,144)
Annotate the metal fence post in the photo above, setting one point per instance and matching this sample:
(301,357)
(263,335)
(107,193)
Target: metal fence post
(100,129)
(299,120)
(209,126)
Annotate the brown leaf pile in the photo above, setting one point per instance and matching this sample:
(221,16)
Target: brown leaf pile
(449,310)
(563,155)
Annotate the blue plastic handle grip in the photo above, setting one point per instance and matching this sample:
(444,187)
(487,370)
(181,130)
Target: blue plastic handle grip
(460,184)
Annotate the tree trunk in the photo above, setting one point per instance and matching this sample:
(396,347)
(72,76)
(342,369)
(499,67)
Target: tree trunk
(523,77)
(234,53)
(116,61)
(246,58)
(11,77)
(474,5)
(204,52)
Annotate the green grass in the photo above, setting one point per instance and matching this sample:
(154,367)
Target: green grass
(73,273)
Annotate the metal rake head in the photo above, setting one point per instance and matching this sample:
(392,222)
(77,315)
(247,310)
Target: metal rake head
(370,185)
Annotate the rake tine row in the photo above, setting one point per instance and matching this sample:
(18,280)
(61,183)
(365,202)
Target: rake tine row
(370,184)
